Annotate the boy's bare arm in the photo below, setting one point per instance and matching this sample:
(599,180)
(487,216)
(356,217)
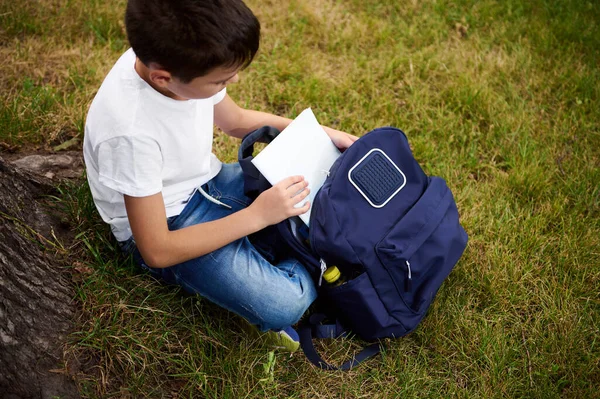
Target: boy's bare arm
(237,122)
(162,248)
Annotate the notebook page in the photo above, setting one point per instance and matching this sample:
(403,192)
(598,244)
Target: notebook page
(303,148)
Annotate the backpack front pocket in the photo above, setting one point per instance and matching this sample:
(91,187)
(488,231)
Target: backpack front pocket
(421,249)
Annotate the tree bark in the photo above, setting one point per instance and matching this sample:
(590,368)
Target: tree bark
(36,299)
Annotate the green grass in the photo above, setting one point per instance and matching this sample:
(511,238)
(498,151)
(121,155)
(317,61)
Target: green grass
(499,98)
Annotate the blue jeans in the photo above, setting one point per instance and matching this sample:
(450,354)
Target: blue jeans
(236,277)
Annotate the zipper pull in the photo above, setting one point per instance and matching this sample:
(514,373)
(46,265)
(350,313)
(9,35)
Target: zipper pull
(323,268)
(408,285)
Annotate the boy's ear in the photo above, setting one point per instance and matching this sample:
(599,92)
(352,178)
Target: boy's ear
(159,76)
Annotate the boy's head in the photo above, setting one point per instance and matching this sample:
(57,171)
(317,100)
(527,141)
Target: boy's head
(191,38)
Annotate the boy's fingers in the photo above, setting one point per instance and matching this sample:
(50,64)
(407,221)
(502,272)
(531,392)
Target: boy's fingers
(299,193)
(298,187)
(306,207)
(303,209)
(304,193)
(290,181)
(293,184)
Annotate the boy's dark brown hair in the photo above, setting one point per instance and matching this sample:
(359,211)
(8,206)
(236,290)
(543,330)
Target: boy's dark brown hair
(189,38)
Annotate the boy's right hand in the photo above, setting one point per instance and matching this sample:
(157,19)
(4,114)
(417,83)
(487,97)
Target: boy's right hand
(277,203)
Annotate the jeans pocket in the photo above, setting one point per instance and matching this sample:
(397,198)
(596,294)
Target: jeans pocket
(178,221)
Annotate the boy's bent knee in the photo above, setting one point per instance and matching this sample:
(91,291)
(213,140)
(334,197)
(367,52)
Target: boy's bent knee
(288,309)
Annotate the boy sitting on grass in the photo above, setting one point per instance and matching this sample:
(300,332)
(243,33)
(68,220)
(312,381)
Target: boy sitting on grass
(169,200)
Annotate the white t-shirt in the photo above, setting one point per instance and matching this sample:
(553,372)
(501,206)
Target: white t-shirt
(139,142)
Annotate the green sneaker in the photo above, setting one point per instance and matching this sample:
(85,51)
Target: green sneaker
(285,340)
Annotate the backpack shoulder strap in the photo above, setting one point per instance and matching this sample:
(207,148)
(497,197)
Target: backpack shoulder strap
(313,329)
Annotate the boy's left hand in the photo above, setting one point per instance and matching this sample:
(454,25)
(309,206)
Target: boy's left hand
(340,139)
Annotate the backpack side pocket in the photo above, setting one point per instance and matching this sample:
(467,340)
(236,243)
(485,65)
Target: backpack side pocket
(421,249)
(361,309)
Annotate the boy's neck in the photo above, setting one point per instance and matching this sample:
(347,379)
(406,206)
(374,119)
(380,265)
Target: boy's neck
(144,72)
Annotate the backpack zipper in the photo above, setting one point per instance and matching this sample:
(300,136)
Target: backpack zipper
(322,263)
(323,268)
(409,279)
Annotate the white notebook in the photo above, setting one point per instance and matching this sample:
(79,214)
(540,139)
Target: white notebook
(303,148)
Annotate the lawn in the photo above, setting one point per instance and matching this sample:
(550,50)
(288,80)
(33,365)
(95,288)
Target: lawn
(499,98)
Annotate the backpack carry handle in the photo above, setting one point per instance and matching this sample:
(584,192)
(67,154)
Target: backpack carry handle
(254,182)
(313,329)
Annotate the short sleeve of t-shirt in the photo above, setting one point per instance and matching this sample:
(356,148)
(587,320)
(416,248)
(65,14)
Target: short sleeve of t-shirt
(217,98)
(130,165)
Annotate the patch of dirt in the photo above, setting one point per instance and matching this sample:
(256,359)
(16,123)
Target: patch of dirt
(52,165)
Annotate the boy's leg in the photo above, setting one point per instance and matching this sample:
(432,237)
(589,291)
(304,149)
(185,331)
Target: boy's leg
(236,276)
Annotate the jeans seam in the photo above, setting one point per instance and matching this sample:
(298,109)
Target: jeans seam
(236,200)
(219,195)
(291,271)
(215,191)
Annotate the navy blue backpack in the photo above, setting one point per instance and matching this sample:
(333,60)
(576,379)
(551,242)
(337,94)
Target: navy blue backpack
(391,230)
